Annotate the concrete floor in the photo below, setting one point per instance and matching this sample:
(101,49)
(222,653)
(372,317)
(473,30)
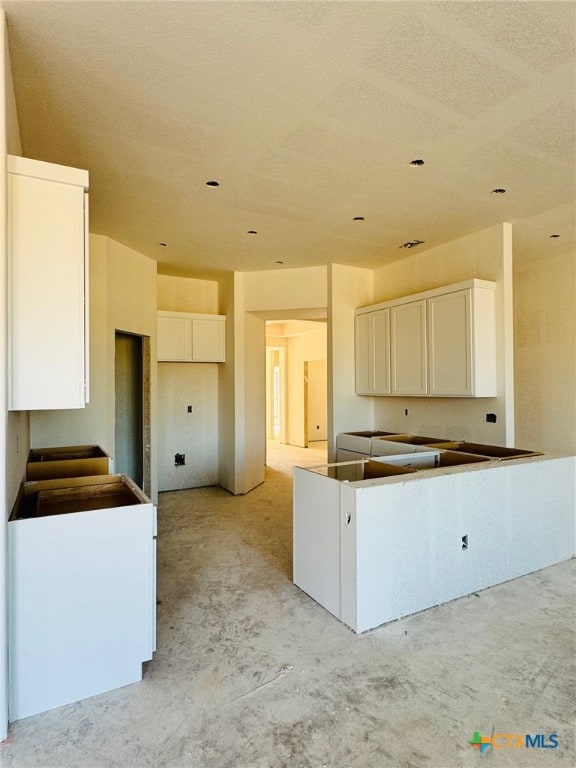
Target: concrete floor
(251,673)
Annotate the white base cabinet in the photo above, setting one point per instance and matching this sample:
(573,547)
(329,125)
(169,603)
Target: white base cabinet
(440,343)
(376,550)
(82,601)
(47,285)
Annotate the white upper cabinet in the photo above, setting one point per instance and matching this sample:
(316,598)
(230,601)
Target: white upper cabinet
(408,349)
(462,343)
(372,353)
(185,337)
(442,343)
(47,285)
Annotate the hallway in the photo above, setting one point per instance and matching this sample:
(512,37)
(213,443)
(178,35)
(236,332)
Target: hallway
(251,673)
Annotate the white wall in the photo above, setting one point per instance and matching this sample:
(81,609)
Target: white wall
(226,389)
(181,384)
(485,255)
(14,439)
(317,400)
(247,299)
(349,288)
(18,423)
(308,346)
(279,290)
(185,294)
(123,298)
(545,353)
(254,401)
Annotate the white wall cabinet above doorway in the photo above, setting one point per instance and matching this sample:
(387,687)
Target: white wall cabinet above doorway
(186,337)
(47,285)
(439,343)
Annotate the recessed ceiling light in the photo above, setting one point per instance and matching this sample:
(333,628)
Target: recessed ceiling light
(416,163)
(252,232)
(358,218)
(212,183)
(555,235)
(411,243)
(498,191)
(163,244)
(279,262)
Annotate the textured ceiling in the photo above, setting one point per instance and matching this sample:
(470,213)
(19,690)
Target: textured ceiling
(308,114)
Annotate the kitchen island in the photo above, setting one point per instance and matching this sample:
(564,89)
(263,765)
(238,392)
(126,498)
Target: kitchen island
(373,550)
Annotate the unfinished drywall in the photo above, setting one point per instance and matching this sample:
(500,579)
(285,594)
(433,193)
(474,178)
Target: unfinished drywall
(317,399)
(186,294)
(247,300)
(545,353)
(17,422)
(306,347)
(254,400)
(11,426)
(193,433)
(226,400)
(349,288)
(131,306)
(286,291)
(123,298)
(486,255)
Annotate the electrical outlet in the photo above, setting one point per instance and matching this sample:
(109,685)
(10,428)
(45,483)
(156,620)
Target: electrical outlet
(405,411)
(189,409)
(179,459)
(491,418)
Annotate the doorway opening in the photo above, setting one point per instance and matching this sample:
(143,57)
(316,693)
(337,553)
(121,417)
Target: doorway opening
(132,407)
(296,386)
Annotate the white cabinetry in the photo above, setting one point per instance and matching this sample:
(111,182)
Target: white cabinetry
(47,285)
(462,343)
(82,591)
(372,353)
(408,349)
(191,338)
(442,343)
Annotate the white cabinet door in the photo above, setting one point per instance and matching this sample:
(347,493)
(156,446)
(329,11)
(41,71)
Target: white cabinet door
(373,353)
(408,348)
(208,340)
(174,339)
(186,337)
(381,351)
(363,339)
(47,275)
(450,344)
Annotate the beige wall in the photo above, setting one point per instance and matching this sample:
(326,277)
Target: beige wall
(254,401)
(309,346)
(545,354)
(181,384)
(185,294)
(349,288)
(131,305)
(486,255)
(18,423)
(10,462)
(123,298)
(247,299)
(285,290)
